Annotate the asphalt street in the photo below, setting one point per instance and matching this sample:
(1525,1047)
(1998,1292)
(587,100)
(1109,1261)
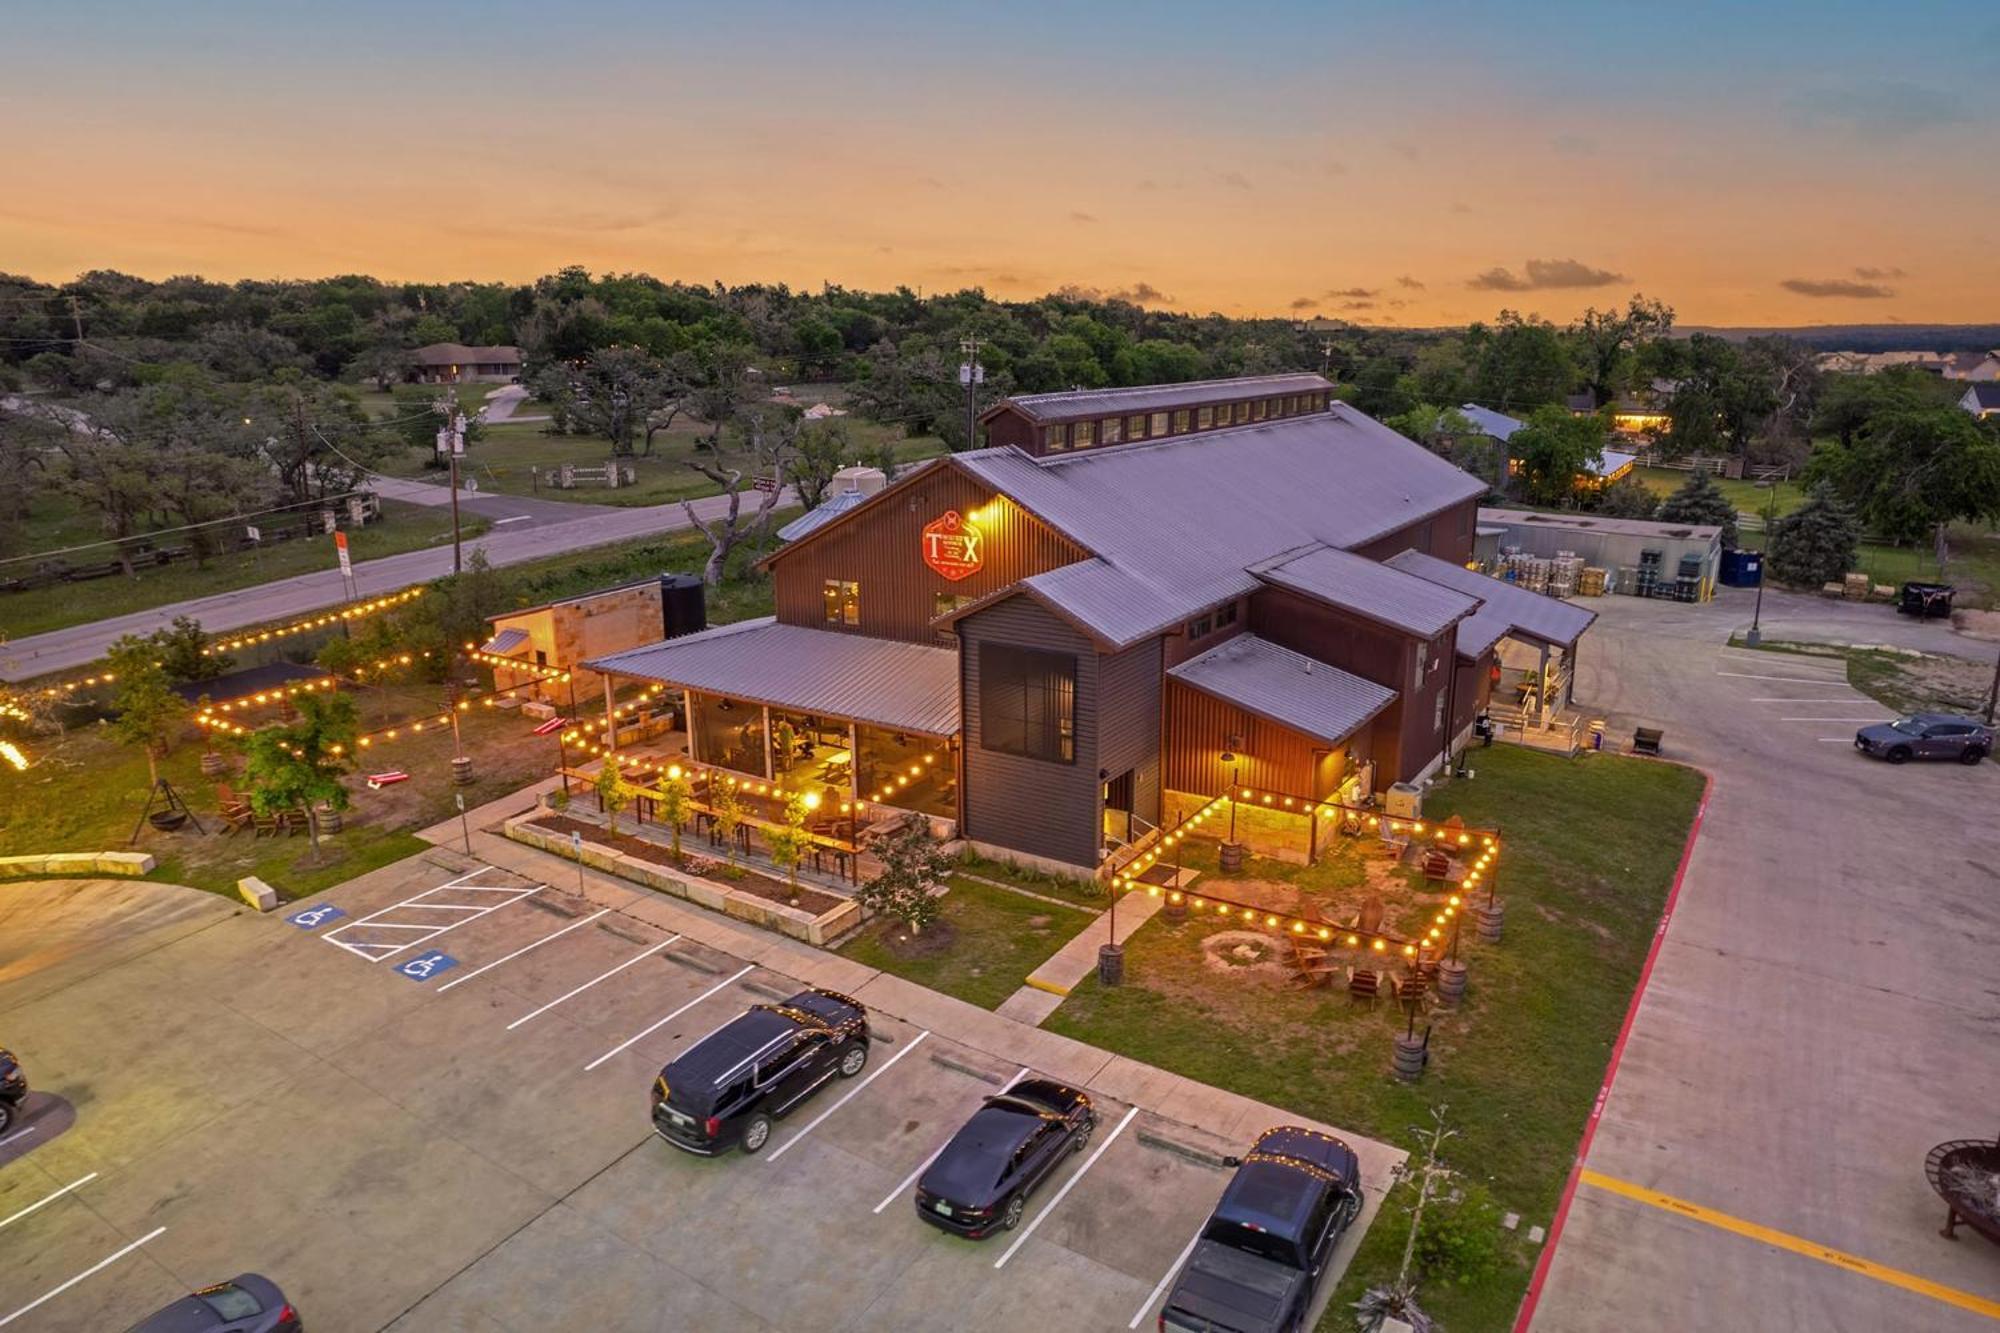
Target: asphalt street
(544,528)
(1821,1012)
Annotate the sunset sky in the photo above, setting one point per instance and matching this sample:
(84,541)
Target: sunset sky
(1774,163)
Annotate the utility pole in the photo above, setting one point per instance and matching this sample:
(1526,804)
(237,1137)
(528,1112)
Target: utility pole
(451,443)
(1993,695)
(1326,363)
(971,374)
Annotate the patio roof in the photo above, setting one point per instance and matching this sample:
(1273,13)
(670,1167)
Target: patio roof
(505,642)
(1509,608)
(882,682)
(1285,687)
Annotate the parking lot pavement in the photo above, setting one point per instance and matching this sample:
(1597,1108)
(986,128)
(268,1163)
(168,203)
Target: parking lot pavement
(465,1144)
(1809,1027)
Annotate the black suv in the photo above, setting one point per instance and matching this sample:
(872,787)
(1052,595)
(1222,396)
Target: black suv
(727,1088)
(1261,1256)
(13,1089)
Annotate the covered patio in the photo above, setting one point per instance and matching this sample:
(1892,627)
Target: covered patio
(774,709)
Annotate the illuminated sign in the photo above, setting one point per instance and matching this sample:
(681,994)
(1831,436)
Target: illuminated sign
(953,546)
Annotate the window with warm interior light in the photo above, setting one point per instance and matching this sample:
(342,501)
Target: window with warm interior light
(1114,431)
(1083,434)
(1204,417)
(1055,438)
(1135,427)
(841,601)
(1158,426)
(1183,421)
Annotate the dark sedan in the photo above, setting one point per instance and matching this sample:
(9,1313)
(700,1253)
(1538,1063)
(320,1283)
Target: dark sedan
(244,1304)
(1927,736)
(13,1089)
(981,1180)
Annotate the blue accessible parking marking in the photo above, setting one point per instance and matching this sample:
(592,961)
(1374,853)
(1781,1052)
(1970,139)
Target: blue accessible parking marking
(315,917)
(427,965)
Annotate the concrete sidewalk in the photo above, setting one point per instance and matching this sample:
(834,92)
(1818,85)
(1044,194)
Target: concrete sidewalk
(1048,984)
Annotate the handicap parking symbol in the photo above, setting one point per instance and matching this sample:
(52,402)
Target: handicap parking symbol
(427,965)
(315,917)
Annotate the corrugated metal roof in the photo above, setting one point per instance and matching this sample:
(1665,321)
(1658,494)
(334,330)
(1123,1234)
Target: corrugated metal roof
(1288,688)
(1631,527)
(819,516)
(1369,588)
(1081,404)
(1178,522)
(886,682)
(1610,463)
(506,641)
(1497,424)
(1509,609)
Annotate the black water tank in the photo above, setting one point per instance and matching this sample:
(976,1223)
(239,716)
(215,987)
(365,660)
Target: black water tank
(683,604)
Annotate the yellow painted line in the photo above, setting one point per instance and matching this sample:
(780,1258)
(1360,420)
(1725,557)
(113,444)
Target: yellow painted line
(1852,1263)
(1049,986)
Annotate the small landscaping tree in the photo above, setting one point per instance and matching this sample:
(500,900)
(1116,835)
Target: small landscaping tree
(728,818)
(1700,500)
(1399,1298)
(611,793)
(182,652)
(150,714)
(676,803)
(1815,543)
(297,765)
(1627,497)
(913,864)
(790,843)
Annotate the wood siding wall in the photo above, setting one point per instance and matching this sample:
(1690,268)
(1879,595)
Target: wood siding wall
(1031,805)
(1371,651)
(1447,535)
(1007,426)
(1273,758)
(1180,648)
(881,547)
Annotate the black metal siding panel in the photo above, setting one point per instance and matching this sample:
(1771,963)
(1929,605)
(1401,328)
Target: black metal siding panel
(1044,809)
(1129,722)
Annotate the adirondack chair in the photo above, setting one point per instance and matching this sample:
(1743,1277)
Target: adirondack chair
(235,811)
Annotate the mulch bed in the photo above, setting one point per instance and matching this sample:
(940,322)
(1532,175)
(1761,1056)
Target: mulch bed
(752,882)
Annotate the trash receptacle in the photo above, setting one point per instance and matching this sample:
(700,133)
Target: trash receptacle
(1926,600)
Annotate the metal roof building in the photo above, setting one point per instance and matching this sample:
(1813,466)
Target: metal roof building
(1288,688)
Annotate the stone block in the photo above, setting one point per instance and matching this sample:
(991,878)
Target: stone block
(126,863)
(24,865)
(257,893)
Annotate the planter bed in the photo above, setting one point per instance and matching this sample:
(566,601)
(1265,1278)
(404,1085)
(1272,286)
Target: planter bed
(749,896)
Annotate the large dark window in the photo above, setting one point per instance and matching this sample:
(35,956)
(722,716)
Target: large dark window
(1027,702)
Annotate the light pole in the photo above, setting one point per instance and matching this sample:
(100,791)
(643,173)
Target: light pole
(1756,634)
(1231,856)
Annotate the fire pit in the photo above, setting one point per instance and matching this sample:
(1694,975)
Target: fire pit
(1966,1175)
(166,821)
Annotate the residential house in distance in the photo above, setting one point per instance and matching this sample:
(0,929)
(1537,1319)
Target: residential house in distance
(1977,367)
(1873,363)
(455,363)
(1982,399)
(1132,601)
(1632,414)
(1608,467)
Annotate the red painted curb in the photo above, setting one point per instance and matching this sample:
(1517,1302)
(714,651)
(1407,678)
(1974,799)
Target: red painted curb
(1534,1292)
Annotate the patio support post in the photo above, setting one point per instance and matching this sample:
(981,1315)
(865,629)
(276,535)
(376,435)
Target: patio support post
(770,765)
(1542,687)
(854,767)
(610,722)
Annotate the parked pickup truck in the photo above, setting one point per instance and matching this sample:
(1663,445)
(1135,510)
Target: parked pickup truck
(1260,1259)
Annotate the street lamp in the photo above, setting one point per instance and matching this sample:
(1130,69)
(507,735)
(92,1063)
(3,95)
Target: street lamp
(1756,634)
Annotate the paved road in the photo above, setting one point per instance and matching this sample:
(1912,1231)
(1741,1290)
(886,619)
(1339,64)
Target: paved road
(1823,1009)
(501,509)
(506,544)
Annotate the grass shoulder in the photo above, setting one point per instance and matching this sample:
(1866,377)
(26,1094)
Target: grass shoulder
(982,946)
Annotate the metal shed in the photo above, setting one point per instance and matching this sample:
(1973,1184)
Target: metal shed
(1617,545)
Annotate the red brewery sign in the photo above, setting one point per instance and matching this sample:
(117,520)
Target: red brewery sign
(953,546)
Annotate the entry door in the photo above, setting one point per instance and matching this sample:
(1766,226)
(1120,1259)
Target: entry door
(1118,807)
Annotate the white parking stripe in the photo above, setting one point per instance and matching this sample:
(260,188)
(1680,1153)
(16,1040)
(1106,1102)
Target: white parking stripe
(851,1094)
(925,1165)
(1160,1288)
(17,1134)
(1063,1193)
(655,1027)
(374,951)
(574,925)
(50,1199)
(1790,700)
(651,950)
(1870,717)
(1789,680)
(95,1268)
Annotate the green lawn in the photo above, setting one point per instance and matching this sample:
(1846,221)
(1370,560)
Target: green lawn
(1747,496)
(1590,847)
(471,397)
(403,527)
(84,792)
(520,458)
(982,946)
